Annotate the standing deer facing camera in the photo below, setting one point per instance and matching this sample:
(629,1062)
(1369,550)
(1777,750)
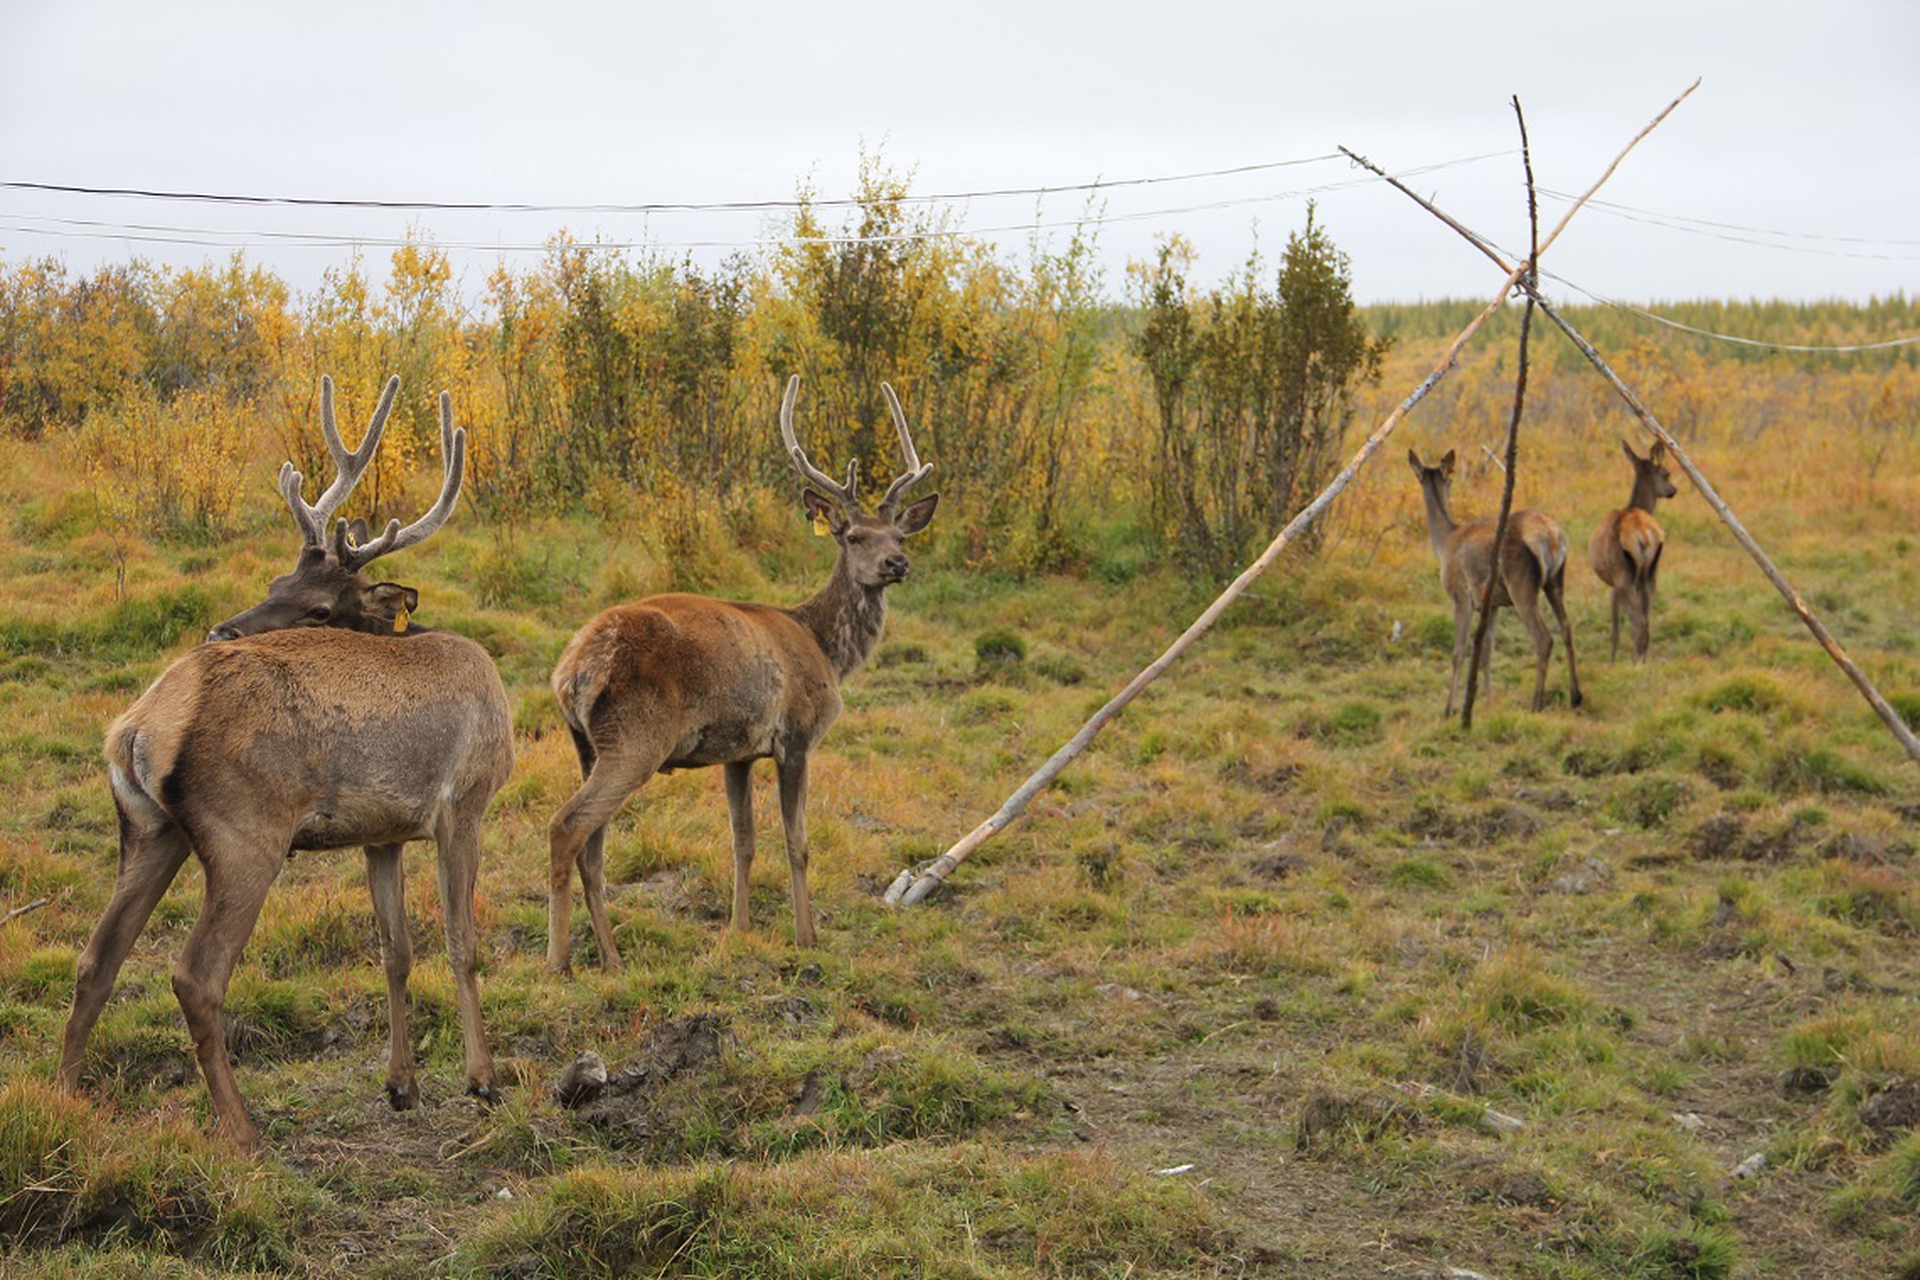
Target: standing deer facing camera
(1625,550)
(684,681)
(314,737)
(1533,561)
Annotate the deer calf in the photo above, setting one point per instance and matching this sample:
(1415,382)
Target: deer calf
(316,737)
(1533,561)
(685,681)
(1625,550)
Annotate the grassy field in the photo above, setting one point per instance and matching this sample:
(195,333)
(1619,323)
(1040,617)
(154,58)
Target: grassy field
(1249,992)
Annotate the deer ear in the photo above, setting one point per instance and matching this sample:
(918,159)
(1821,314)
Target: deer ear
(1658,454)
(822,508)
(1628,450)
(916,517)
(1446,466)
(388,600)
(1413,460)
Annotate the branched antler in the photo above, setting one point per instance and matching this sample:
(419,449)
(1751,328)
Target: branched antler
(348,465)
(351,465)
(840,493)
(915,471)
(844,493)
(453,449)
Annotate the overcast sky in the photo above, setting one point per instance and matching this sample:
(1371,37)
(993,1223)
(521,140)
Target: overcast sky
(1789,173)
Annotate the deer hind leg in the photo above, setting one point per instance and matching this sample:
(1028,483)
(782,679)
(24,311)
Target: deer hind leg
(149,861)
(239,869)
(1613,649)
(739,776)
(459,871)
(576,837)
(1527,605)
(1556,589)
(793,815)
(386,885)
(1462,637)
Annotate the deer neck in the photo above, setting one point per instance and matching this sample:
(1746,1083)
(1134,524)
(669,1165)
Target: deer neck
(1643,495)
(1440,524)
(845,618)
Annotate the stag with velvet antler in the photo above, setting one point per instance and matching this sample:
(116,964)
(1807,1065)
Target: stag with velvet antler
(684,681)
(327,586)
(313,737)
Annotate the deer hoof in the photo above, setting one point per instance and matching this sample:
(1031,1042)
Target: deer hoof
(403,1097)
(487,1093)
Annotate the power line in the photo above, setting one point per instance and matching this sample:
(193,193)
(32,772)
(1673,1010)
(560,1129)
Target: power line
(672,206)
(1735,233)
(215,238)
(1683,327)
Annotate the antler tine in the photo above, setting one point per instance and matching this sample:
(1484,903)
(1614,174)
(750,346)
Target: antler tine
(453,447)
(348,465)
(916,471)
(841,493)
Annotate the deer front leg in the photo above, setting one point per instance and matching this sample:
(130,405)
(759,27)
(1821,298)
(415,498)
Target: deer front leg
(793,815)
(739,776)
(149,861)
(238,877)
(387,887)
(459,868)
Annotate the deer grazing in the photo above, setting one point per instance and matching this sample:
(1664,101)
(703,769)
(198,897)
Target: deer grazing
(315,737)
(1533,560)
(684,681)
(1625,549)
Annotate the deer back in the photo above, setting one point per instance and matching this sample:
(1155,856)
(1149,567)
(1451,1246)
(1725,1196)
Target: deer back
(1534,551)
(338,737)
(708,681)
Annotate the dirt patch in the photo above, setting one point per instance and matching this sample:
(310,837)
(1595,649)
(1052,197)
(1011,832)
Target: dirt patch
(641,1104)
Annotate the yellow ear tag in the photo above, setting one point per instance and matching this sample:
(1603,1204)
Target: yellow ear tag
(400,621)
(820,526)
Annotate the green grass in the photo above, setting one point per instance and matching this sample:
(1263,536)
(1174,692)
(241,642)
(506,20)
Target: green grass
(1280,924)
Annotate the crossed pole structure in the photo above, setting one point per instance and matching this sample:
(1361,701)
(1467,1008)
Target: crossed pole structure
(913,885)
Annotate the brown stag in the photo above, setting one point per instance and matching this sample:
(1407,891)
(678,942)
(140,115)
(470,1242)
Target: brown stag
(1533,561)
(684,681)
(1625,550)
(317,737)
(326,587)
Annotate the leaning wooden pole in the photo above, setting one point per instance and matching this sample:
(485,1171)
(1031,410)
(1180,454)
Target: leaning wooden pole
(907,889)
(1881,707)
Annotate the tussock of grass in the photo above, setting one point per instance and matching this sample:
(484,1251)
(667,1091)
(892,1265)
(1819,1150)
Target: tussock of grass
(75,1179)
(968,1209)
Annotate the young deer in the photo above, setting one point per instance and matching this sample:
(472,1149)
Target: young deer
(684,681)
(1533,560)
(1625,550)
(319,737)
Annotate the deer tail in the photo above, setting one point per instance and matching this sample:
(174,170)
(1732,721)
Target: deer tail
(1549,546)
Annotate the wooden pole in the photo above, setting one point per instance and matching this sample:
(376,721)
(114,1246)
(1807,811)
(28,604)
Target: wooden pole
(1888,716)
(907,889)
(1511,468)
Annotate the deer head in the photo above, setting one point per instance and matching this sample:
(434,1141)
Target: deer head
(327,586)
(1651,480)
(870,545)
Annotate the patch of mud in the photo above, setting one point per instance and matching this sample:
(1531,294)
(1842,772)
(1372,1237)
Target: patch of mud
(641,1104)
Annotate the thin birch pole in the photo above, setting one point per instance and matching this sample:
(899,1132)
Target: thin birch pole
(1510,468)
(1888,716)
(907,890)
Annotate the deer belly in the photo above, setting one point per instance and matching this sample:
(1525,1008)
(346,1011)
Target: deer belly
(720,744)
(350,820)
